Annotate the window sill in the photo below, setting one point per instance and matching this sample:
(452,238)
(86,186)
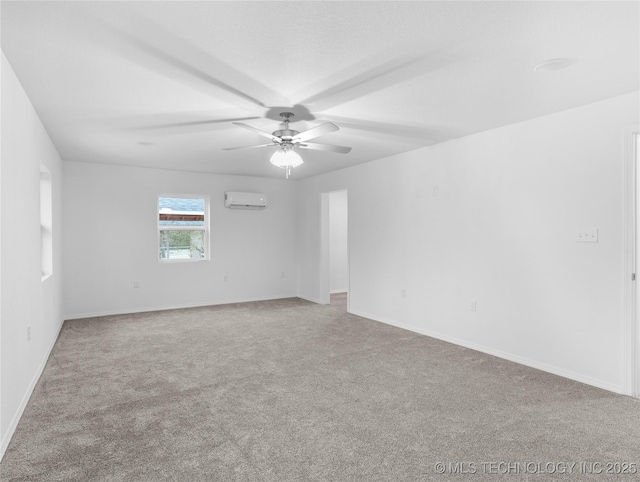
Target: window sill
(190,260)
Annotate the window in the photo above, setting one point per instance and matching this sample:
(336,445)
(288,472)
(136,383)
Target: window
(183,227)
(46,223)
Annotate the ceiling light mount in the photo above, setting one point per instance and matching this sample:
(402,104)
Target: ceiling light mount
(552,65)
(286,116)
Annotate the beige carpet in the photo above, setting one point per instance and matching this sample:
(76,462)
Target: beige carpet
(292,391)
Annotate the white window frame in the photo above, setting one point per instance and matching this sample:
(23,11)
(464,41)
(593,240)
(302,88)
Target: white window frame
(46,222)
(207,244)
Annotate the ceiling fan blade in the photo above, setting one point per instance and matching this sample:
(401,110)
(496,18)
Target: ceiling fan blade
(389,128)
(316,131)
(374,74)
(325,147)
(371,80)
(189,69)
(160,46)
(247,147)
(189,123)
(258,131)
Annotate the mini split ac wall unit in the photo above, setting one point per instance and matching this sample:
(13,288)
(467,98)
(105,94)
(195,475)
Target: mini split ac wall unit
(245,200)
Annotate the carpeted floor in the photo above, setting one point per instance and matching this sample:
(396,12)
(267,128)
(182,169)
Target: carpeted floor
(288,390)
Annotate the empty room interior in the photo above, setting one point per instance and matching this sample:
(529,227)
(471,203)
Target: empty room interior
(315,240)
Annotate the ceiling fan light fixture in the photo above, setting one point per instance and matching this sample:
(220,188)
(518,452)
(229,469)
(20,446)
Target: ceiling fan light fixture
(286,158)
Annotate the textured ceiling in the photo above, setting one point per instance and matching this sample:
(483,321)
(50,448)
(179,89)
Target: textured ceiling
(157,84)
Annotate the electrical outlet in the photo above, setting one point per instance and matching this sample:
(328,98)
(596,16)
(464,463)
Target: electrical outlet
(225,278)
(473,305)
(28,333)
(136,284)
(404,293)
(587,235)
(282,275)
(434,192)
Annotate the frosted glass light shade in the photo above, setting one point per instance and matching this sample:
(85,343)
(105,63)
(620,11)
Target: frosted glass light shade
(286,158)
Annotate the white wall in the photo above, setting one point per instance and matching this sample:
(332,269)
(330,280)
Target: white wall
(339,262)
(111,240)
(25,300)
(501,230)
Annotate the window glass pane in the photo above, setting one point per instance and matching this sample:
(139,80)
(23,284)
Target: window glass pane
(46,222)
(180,212)
(181,244)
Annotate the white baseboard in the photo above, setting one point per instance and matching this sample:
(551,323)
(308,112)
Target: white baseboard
(127,311)
(25,399)
(500,354)
(344,290)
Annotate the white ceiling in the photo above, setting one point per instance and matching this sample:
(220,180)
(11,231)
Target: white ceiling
(138,83)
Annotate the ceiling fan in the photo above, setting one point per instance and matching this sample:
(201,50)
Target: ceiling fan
(287,140)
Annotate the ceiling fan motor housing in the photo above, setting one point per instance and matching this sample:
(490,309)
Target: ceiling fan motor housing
(288,139)
(286,134)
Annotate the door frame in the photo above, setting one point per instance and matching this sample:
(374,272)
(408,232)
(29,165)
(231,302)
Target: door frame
(325,240)
(631,284)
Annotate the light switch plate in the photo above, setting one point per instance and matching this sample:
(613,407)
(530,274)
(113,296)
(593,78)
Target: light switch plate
(587,235)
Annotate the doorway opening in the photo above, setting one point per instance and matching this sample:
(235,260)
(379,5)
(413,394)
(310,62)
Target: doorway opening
(335,249)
